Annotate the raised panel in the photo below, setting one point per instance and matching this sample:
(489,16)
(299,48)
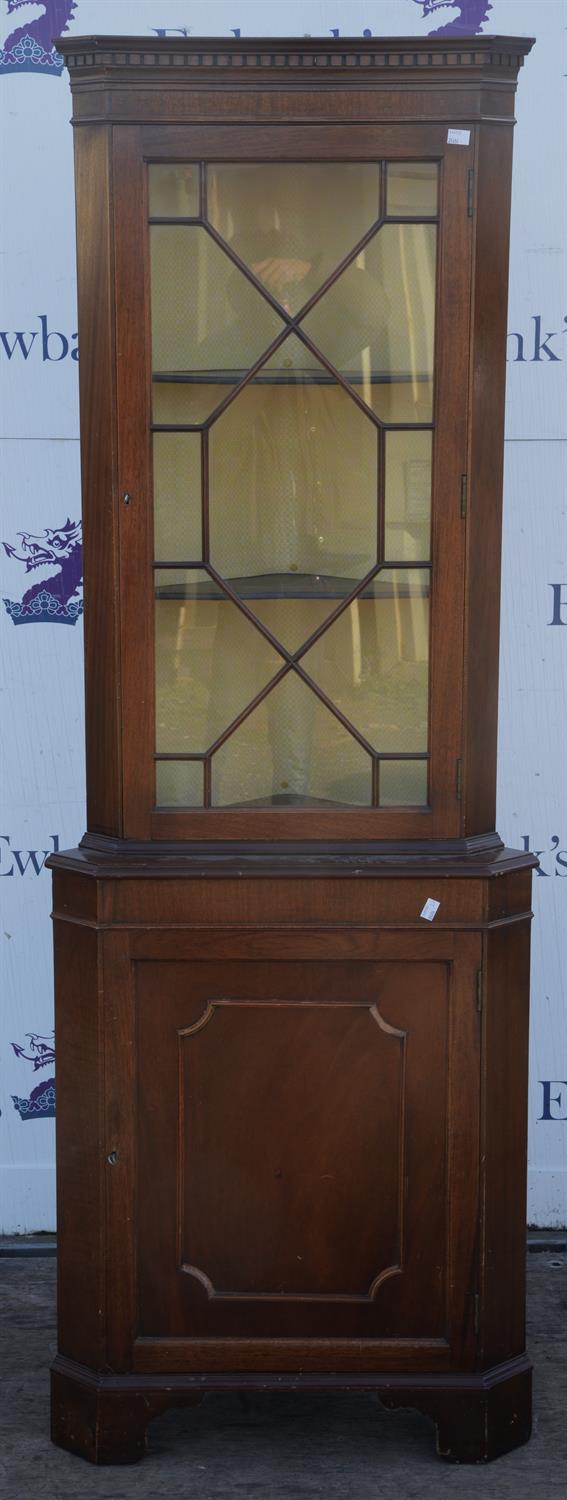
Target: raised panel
(291,1119)
(293,1109)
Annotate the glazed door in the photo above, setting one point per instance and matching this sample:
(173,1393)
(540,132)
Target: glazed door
(296,335)
(307,1153)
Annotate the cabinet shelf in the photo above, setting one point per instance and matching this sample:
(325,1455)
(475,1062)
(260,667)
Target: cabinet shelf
(284,377)
(289,586)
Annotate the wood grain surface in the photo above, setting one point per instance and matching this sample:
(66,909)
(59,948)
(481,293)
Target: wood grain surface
(291,1133)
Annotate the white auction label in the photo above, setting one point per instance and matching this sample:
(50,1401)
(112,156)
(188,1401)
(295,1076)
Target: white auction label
(430,909)
(458,137)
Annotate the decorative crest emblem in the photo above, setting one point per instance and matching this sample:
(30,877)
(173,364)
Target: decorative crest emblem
(27,29)
(41,1053)
(470,20)
(57,596)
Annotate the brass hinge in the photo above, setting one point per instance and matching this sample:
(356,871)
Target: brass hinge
(476,1314)
(464,494)
(470,193)
(459,780)
(479,990)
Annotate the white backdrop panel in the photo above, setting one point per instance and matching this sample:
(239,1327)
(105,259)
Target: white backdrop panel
(42,719)
(531,783)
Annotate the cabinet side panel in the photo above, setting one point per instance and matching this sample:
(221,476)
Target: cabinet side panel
(488,381)
(80,1202)
(98,476)
(504,1127)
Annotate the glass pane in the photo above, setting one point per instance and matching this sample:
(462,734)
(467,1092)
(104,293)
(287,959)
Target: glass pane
(373,661)
(174,190)
(293,361)
(177,496)
(188,402)
(293,223)
(294,619)
(408,495)
(293,492)
(403,783)
(291,751)
(179,783)
(376,323)
(210,661)
(292,482)
(411,189)
(206,316)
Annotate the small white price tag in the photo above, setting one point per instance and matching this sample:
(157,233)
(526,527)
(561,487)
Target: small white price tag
(458,137)
(430,909)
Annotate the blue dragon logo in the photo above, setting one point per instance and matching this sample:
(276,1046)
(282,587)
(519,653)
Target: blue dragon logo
(41,1053)
(471,18)
(27,29)
(57,595)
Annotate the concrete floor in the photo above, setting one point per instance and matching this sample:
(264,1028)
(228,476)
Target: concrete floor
(339,1447)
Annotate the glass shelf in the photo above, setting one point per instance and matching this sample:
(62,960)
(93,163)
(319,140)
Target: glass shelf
(276,377)
(290,586)
(285,799)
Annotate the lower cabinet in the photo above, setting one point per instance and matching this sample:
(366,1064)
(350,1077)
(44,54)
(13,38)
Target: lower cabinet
(298,1132)
(279,1160)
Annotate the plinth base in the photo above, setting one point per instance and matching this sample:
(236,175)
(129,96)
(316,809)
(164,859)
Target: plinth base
(104,1418)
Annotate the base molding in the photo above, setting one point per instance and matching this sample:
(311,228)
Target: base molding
(479,1415)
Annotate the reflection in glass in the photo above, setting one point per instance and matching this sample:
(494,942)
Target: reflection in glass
(177,496)
(412,189)
(206,315)
(294,618)
(403,783)
(210,661)
(408,495)
(376,323)
(179,783)
(174,190)
(373,661)
(188,403)
(293,223)
(294,361)
(293,488)
(291,751)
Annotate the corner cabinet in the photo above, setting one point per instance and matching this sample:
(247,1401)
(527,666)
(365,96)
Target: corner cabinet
(292,954)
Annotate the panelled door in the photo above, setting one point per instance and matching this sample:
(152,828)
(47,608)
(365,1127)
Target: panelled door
(307,1150)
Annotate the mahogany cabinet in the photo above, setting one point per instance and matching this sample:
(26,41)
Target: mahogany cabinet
(291,952)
